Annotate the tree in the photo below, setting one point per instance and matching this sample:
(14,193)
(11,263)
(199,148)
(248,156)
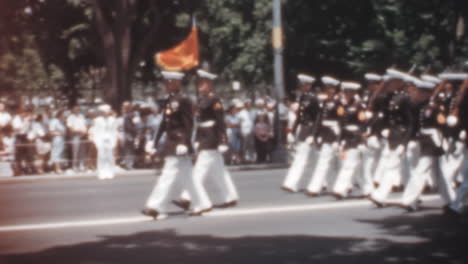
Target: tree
(131,30)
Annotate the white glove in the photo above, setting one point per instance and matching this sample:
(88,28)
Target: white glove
(362,148)
(385,133)
(452,120)
(291,138)
(369,114)
(445,145)
(309,140)
(223,148)
(149,147)
(400,149)
(412,145)
(181,149)
(196,145)
(373,142)
(462,135)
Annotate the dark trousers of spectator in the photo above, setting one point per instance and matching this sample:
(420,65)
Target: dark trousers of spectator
(248,147)
(262,149)
(78,149)
(91,156)
(24,154)
(128,153)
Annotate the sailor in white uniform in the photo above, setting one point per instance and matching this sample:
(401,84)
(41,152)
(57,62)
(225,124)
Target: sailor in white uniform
(104,136)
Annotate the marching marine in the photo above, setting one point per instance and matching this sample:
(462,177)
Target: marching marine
(305,124)
(176,174)
(210,143)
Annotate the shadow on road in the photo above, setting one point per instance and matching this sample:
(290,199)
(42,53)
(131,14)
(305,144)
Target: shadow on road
(442,240)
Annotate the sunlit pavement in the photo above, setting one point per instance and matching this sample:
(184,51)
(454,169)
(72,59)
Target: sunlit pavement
(84,220)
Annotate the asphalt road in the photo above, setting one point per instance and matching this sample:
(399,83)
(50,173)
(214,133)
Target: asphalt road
(91,221)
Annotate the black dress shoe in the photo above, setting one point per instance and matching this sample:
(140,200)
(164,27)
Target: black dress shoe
(226,205)
(375,202)
(450,212)
(337,196)
(150,212)
(198,213)
(408,208)
(311,194)
(184,204)
(287,189)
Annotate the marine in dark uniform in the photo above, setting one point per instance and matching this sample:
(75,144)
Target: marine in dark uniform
(176,176)
(327,136)
(459,117)
(304,126)
(399,127)
(427,141)
(374,124)
(210,143)
(351,142)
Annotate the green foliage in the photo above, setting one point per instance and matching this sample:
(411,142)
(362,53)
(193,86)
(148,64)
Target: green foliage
(58,40)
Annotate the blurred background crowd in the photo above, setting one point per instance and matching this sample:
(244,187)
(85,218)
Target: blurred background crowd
(58,139)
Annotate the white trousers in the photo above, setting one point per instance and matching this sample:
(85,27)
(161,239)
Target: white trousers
(209,170)
(303,162)
(451,165)
(462,192)
(371,156)
(350,168)
(425,169)
(105,161)
(177,176)
(391,167)
(324,169)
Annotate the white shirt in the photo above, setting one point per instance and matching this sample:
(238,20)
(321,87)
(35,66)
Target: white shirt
(5,118)
(246,122)
(21,125)
(56,125)
(104,131)
(76,123)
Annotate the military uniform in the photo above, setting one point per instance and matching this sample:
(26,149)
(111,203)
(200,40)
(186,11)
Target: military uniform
(374,142)
(176,174)
(399,128)
(210,139)
(458,110)
(427,140)
(305,126)
(351,145)
(328,134)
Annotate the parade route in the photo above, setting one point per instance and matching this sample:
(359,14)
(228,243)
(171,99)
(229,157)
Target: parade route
(91,221)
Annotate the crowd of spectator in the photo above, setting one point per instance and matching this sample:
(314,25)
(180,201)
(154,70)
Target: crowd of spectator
(59,139)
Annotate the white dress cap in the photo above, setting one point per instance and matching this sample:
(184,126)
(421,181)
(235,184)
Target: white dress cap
(397,74)
(425,85)
(105,108)
(350,86)
(453,76)
(172,75)
(372,77)
(430,78)
(206,75)
(304,78)
(330,81)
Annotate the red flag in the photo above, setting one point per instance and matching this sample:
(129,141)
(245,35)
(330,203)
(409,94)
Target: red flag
(184,56)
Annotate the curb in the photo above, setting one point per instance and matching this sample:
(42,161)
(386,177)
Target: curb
(126,173)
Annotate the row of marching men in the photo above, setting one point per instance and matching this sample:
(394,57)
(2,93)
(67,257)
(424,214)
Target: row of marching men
(400,132)
(181,184)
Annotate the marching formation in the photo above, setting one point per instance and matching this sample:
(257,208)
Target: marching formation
(399,133)
(180,185)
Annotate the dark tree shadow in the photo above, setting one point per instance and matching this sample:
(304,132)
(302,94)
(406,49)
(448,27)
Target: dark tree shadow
(441,240)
